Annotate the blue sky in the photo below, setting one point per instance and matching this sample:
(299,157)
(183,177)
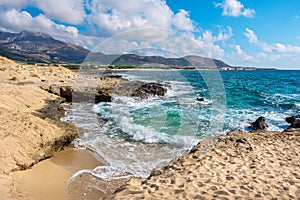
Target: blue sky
(240,32)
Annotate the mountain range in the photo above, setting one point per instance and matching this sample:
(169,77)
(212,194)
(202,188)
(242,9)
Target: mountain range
(33,47)
(39,47)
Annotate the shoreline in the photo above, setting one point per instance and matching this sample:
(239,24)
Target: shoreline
(176,69)
(236,165)
(53,174)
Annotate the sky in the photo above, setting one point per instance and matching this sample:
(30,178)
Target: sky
(253,33)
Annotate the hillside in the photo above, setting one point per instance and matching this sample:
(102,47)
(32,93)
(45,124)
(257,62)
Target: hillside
(39,47)
(42,48)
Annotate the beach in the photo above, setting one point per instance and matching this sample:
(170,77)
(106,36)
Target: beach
(262,165)
(48,179)
(31,132)
(36,160)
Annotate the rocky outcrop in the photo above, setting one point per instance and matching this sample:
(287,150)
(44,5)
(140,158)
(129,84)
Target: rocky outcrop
(150,89)
(106,89)
(64,91)
(259,124)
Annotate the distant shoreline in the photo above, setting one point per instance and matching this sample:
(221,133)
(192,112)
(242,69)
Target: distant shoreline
(203,69)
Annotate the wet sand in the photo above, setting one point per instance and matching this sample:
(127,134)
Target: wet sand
(48,179)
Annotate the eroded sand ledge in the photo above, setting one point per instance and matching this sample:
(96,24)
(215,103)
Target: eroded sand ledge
(29,127)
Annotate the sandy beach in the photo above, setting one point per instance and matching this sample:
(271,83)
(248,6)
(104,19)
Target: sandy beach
(262,165)
(36,162)
(56,171)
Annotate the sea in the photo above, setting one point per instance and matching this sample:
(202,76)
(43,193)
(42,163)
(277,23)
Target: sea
(135,136)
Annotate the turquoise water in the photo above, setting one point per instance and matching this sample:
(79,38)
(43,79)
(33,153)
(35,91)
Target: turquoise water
(136,136)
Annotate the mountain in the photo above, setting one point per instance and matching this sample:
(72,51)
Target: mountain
(39,47)
(201,62)
(136,59)
(42,48)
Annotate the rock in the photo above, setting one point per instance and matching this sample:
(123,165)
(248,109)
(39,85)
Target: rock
(106,88)
(259,124)
(150,89)
(290,119)
(294,121)
(102,96)
(66,92)
(295,124)
(200,99)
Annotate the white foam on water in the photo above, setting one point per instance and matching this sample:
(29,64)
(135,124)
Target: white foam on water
(282,99)
(130,147)
(205,102)
(142,133)
(241,119)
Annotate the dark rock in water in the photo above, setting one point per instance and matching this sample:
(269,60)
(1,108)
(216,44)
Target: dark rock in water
(259,124)
(102,96)
(294,121)
(290,119)
(295,124)
(149,89)
(200,99)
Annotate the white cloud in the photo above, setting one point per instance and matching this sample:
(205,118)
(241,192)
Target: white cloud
(224,34)
(14,3)
(269,57)
(129,21)
(242,55)
(274,51)
(176,44)
(281,48)
(207,41)
(251,36)
(278,48)
(104,19)
(67,11)
(15,20)
(235,8)
(181,21)
(114,16)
